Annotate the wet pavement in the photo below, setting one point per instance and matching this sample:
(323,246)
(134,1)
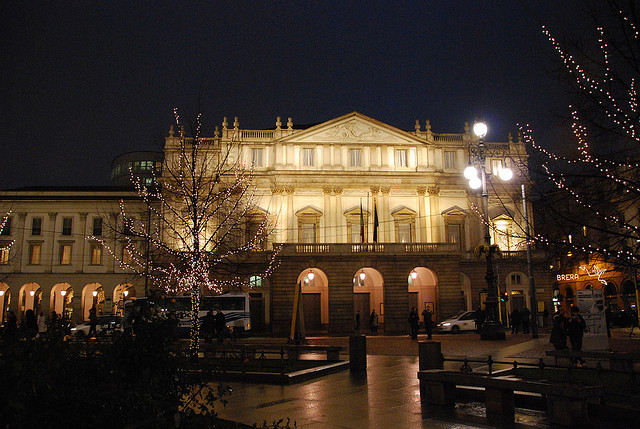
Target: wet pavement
(388,394)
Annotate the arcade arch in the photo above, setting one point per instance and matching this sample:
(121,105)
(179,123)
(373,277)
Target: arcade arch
(92,294)
(29,298)
(368,295)
(121,293)
(315,298)
(465,288)
(518,291)
(423,290)
(62,299)
(5,301)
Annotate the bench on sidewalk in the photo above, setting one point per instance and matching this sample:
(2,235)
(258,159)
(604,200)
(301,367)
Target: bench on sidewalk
(619,361)
(566,403)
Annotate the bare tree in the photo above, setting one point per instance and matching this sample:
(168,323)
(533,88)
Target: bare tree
(200,230)
(592,207)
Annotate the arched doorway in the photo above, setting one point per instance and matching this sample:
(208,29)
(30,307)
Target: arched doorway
(422,288)
(121,294)
(30,297)
(92,294)
(610,294)
(465,289)
(5,301)
(62,299)
(368,295)
(628,293)
(315,299)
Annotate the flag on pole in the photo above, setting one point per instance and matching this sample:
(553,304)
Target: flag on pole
(361,223)
(375,222)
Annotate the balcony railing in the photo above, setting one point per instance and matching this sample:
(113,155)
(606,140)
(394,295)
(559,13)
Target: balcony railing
(360,248)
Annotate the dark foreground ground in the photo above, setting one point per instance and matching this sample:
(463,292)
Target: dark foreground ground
(387,395)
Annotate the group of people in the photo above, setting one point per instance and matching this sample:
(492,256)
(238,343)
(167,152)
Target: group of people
(32,326)
(520,318)
(414,322)
(214,326)
(573,327)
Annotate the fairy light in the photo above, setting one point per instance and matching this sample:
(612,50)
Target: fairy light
(613,92)
(197,209)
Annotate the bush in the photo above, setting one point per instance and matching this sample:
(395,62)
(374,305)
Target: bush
(129,383)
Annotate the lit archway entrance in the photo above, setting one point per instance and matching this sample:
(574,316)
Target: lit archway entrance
(29,298)
(315,299)
(610,294)
(62,300)
(92,294)
(368,295)
(423,291)
(121,294)
(5,301)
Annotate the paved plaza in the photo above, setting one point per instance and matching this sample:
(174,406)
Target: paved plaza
(387,395)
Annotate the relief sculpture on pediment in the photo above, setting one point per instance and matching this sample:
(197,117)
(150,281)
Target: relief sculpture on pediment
(352,131)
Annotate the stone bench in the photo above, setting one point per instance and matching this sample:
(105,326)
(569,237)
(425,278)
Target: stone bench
(566,403)
(292,351)
(618,361)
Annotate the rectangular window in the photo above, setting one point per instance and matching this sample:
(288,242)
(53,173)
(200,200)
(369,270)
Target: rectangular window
(308,233)
(34,253)
(96,254)
(4,255)
(256,157)
(36,226)
(401,158)
(355,157)
(97,226)
(307,156)
(404,232)
(67,225)
(496,166)
(127,256)
(449,159)
(453,234)
(65,254)
(6,228)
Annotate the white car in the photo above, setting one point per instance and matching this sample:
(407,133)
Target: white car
(464,321)
(107,325)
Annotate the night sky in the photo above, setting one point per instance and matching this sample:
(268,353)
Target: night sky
(85,81)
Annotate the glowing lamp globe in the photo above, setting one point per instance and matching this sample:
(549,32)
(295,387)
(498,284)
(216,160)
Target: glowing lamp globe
(480,129)
(475,183)
(470,172)
(311,276)
(505,174)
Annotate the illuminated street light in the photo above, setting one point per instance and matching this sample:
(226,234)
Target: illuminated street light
(414,275)
(492,328)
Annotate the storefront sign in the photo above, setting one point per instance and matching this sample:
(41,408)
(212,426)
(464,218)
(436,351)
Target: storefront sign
(565,277)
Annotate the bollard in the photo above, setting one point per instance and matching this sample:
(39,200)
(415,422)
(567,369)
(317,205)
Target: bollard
(430,355)
(358,353)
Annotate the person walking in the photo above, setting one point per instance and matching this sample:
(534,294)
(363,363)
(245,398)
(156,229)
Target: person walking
(575,328)
(93,321)
(426,317)
(525,315)
(414,323)
(220,322)
(42,325)
(373,322)
(208,327)
(515,321)
(479,318)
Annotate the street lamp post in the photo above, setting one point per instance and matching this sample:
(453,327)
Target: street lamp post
(492,328)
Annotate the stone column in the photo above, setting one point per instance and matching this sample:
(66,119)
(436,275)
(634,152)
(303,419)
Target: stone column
(328,230)
(52,222)
(434,208)
(422,217)
(386,225)
(341,235)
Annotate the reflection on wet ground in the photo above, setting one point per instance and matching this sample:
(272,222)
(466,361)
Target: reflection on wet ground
(387,396)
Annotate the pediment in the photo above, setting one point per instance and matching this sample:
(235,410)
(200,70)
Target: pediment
(454,211)
(353,128)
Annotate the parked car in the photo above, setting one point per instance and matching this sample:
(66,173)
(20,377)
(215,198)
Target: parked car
(622,318)
(463,321)
(107,325)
